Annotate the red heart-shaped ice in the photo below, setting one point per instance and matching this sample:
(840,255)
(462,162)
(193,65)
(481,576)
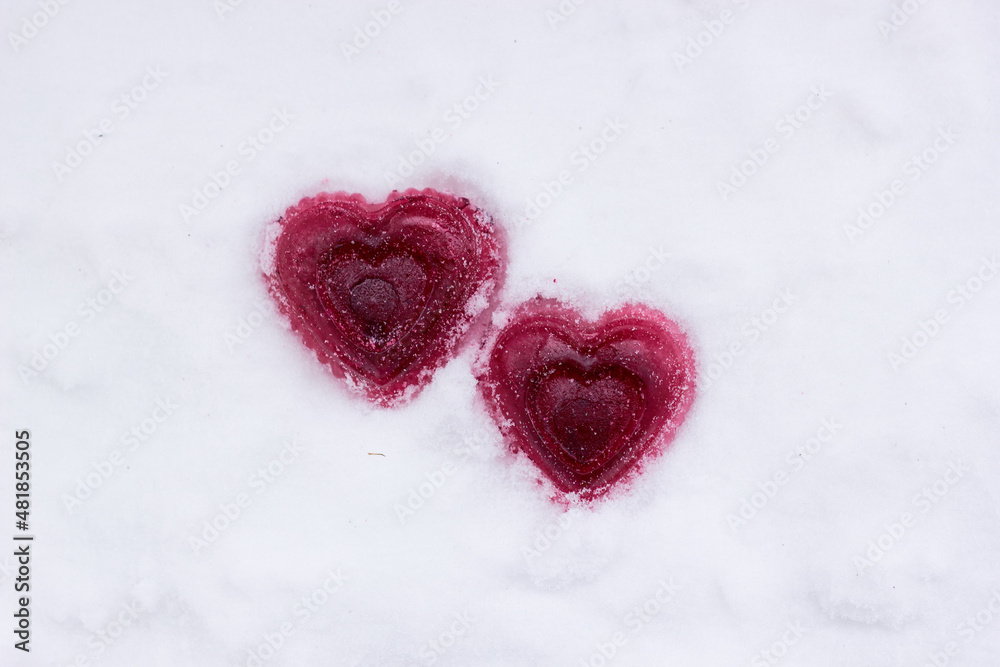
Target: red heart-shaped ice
(588,401)
(383,293)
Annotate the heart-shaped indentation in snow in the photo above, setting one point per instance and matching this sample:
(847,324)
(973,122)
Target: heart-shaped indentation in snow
(383,293)
(586,402)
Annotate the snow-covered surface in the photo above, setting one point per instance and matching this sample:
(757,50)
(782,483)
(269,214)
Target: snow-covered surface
(190,328)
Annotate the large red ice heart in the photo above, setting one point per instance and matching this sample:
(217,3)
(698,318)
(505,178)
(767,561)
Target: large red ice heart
(587,402)
(383,294)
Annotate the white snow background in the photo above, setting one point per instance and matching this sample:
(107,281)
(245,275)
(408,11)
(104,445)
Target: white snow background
(761,537)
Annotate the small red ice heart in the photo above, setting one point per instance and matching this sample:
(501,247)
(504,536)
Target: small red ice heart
(588,401)
(383,293)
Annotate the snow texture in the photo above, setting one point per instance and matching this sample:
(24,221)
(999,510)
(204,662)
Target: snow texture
(808,188)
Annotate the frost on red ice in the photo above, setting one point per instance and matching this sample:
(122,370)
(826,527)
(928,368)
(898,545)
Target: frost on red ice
(383,293)
(585,401)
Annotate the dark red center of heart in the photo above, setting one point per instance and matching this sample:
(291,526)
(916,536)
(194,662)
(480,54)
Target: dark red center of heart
(585,417)
(374,301)
(587,402)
